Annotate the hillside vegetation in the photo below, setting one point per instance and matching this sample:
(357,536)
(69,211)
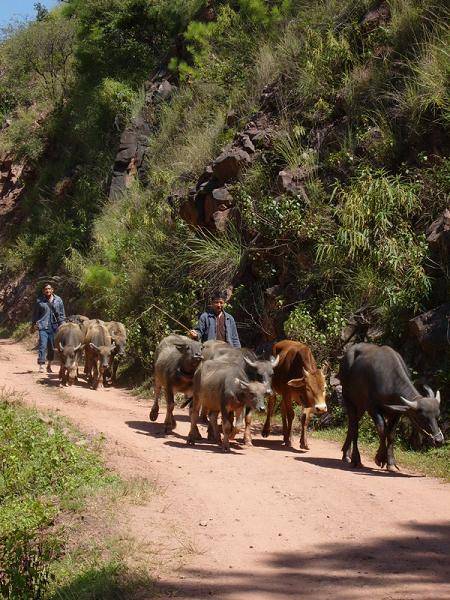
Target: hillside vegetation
(355,97)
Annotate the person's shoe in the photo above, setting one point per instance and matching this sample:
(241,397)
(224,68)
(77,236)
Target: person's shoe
(41,369)
(49,368)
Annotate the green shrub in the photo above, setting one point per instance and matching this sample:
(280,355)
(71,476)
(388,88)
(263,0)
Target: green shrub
(24,138)
(117,100)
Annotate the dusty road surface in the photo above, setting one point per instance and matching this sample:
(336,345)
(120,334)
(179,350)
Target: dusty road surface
(263,523)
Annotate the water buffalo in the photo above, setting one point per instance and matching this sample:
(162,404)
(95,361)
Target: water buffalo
(176,359)
(68,342)
(118,335)
(375,379)
(98,348)
(256,370)
(78,319)
(223,387)
(297,379)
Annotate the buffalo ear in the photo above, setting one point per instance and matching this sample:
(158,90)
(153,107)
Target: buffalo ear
(398,408)
(296,383)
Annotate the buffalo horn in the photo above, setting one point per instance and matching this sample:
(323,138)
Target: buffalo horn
(275,361)
(77,348)
(242,383)
(428,390)
(92,345)
(250,363)
(409,403)
(438,396)
(305,372)
(61,346)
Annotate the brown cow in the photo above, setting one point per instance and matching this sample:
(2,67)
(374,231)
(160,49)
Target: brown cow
(296,378)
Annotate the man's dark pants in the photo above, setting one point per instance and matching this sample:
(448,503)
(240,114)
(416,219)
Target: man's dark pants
(46,345)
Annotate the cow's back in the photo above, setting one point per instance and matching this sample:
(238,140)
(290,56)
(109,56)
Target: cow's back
(374,374)
(69,334)
(97,334)
(293,358)
(116,328)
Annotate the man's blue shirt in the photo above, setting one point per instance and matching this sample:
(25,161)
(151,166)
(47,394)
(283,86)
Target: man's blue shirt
(46,316)
(206,328)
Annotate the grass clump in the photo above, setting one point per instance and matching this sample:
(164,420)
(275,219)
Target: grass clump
(42,465)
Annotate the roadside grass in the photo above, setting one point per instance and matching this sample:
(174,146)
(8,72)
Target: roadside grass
(59,535)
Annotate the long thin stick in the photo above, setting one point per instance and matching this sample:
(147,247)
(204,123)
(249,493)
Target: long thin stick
(164,313)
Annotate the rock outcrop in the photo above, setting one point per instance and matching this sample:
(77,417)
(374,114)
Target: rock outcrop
(13,178)
(130,161)
(432,330)
(438,233)
(210,204)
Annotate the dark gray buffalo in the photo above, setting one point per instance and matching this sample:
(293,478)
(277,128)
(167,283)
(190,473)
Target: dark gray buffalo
(118,335)
(176,359)
(98,348)
(68,342)
(375,379)
(223,387)
(256,370)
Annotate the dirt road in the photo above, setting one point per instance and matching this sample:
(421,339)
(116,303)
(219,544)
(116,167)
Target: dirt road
(263,523)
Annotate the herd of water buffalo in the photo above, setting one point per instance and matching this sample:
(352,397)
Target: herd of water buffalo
(217,379)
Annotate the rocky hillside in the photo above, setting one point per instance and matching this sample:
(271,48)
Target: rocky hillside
(294,153)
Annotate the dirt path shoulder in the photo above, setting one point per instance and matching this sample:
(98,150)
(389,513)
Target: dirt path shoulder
(261,523)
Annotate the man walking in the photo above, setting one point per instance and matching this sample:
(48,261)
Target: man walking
(48,314)
(216,324)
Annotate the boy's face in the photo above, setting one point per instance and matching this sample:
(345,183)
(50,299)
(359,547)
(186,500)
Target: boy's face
(218,305)
(48,291)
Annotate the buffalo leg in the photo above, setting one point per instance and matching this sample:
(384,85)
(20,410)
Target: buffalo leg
(115,365)
(95,375)
(155,408)
(270,404)
(391,425)
(381,455)
(247,431)
(204,415)
(347,447)
(213,414)
(287,415)
(169,422)
(226,430)
(236,425)
(194,433)
(304,420)
(198,435)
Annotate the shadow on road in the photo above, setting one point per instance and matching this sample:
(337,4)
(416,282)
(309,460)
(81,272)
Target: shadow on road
(412,565)
(337,463)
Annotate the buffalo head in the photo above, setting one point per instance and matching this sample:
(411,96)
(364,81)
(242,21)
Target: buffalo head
(191,354)
(252,394)
(312,387)
(262,371)
(103,354)
(69,356)
(424,413)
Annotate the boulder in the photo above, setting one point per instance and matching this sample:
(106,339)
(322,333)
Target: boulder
(438,233)
(290,181)
(432,330)
(229,164)
(222,196)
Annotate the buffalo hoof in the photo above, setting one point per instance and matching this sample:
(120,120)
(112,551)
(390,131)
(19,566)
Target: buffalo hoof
(380,461)
(226,449)
(190,440)
(392,468)
(357,464)
(346,459)
(265,433)
(174,423)
(304,446)
(288,443)
(248,443)
(154,413)
(168,427)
